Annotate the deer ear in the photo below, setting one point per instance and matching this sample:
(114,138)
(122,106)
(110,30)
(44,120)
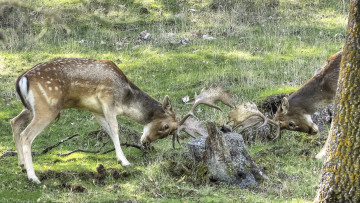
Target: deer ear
(167,104)
(284,105)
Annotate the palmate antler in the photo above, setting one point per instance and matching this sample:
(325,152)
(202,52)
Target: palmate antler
(248,115)
(207,97)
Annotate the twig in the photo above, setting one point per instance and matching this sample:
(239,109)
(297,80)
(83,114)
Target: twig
(8,154)
(86,151)
(15,154)
(125,145)
(57,144)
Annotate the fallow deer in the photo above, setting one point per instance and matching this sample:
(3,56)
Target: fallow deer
(97,86)
(295,112)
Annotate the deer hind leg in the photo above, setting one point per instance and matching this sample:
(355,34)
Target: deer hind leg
(324,149)
(17,124)
(38,123)
(109,123)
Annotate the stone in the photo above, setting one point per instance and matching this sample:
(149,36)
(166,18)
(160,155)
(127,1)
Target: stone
(197,148)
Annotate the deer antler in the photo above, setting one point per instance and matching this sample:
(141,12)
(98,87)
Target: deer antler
(191,126)
(207,97)
(248,115)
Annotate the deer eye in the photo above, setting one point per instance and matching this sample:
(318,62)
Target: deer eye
(291,124)
(166,127)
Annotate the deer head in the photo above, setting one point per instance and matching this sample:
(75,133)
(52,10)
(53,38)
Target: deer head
(295,118)
(163,123)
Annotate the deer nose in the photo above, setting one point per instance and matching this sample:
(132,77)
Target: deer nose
(145,141)
(313,130)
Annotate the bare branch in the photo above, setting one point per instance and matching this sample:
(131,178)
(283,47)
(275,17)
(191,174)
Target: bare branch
(125,145)
(87,151)
(57,144)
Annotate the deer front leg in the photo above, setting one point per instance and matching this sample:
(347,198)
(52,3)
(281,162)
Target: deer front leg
(17,124)
(109,123)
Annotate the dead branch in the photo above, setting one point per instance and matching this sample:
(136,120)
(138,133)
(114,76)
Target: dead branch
(125,145)
(57,144)
(99,150)
(8,154)
(86,151)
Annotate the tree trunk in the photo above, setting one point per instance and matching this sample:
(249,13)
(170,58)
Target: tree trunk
(226,158)
(340,181)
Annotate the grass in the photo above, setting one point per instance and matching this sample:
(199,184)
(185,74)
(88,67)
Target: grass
(261,48)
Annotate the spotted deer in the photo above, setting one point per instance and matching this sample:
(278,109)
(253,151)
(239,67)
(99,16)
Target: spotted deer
(295,112)
(94,85)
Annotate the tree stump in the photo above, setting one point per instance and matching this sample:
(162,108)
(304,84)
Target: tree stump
(226,157)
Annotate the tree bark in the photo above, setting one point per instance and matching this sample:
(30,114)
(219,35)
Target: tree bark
(340,181)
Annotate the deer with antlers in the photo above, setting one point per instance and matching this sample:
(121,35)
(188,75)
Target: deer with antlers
(100,87)
(318,92)
(294,112)
(97,86)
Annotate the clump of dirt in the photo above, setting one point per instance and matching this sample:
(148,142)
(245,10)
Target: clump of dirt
(121,174)
(64,176)
(74,188)
(101,174)
(77,188)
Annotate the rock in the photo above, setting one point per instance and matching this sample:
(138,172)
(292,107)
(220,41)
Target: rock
(197,148)
(226,157)
(323,118)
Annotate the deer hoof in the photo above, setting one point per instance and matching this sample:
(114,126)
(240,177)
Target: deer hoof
(125,164)
(320,155)
(35,180)
(23,169)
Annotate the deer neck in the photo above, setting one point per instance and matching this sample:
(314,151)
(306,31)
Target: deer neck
(317,93)
(320,90)
(138,105)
